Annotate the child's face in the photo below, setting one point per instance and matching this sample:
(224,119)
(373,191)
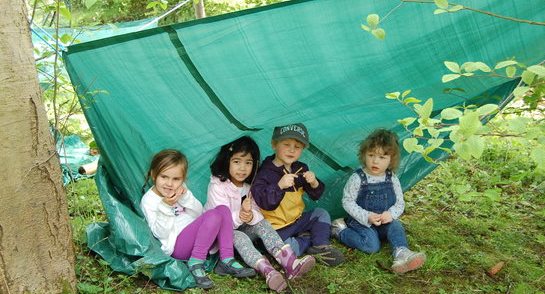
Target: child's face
(287,151)
(240,167)
(376,162)
(168,180)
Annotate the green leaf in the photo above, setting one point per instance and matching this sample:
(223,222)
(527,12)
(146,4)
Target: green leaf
(476,146)
(520,91)
(518,124)
(408,100)
(451,113)
(435,142)
(89,288)
(456,8)
(487,109)
(449,77)
(392,95)
(537,69)
(424,111)
(493,194)
(405,93)
(439,11)
(66,39)
(468,197)
(441,3)
(462,149)
(528,77)
(433,132)
(452,66)
(406,121)
(451,90)
(469,66)
(469,124)
(419,131)
(510,71)
(467,74)
(474,66)
(364,27)
(65,13)
(538,155)
(90,3)
(483,67)
(427,158)
(461,188)
(410,144)
(379,33)
(505,63)
(373,20)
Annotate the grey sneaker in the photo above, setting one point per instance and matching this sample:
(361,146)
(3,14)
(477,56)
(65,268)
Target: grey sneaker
(406,260)
(224,269)
(337,226)
(327,254)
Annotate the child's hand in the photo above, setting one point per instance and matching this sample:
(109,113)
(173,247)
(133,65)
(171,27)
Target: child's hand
(310,177)
(246,205)
(246,216)
(386,217)
(178,194)
(287,181)
(171,200)
(181,191)
(374,219)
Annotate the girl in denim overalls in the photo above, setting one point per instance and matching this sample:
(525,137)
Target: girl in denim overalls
(374,202)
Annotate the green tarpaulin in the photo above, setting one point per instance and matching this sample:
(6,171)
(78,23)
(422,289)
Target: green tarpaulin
(195,86)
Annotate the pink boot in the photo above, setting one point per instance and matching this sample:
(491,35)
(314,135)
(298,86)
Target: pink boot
(274,279)
(294,267)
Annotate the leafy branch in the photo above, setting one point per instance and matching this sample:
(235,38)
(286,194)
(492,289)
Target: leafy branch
(445,6)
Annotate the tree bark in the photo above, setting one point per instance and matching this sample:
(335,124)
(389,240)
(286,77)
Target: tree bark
(36,250)
(199,9)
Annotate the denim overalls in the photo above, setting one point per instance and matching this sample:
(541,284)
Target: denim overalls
(377,198)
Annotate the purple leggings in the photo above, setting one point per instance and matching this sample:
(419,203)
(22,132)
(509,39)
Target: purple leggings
(198,237)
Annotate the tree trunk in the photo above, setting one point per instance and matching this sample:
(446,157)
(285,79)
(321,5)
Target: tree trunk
(199,9)
(36,250)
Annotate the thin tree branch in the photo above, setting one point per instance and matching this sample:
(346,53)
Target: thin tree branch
(484,12)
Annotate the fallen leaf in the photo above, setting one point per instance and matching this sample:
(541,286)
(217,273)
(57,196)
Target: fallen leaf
(495,269)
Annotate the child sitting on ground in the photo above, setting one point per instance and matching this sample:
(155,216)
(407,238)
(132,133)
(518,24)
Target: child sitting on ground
(175,217)
(373,199)
(232,172)
(278,190)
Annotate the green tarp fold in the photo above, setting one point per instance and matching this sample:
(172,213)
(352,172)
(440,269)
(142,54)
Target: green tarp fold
(195,86)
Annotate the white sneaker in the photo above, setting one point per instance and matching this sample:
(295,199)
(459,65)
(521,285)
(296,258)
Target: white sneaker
(337,226)
(406,260)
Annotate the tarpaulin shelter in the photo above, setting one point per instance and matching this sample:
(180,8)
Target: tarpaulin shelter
(197,85)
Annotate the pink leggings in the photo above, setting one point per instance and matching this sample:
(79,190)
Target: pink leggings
(198,237)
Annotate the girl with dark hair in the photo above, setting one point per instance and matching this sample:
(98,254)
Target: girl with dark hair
(232,172)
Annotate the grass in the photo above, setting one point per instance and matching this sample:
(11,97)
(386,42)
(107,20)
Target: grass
(466,216)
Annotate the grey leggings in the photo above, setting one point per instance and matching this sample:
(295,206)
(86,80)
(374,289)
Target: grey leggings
(246,234)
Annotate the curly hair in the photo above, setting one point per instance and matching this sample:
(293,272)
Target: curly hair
(385,140)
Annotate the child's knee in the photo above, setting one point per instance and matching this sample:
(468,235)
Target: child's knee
(373,248)
(223,209)
(321,215)
(240,238)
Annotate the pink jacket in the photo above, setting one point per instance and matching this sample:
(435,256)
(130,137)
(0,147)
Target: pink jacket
(226,193)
